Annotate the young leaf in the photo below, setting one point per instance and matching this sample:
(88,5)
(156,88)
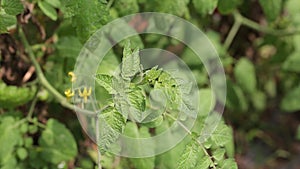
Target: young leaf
(229,164)
(57,143)
(244,73)
(138,102)
(111,125)
(190,156)
(48,10)
(12,7)
(203,163)
(219,154)
(222,135)
(106,82)
(271,8)
(130,62)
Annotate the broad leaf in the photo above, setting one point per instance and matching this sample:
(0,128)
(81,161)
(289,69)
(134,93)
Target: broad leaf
(290,101)
(222,135)
(227,6)
(111,125)
(12,7)
(48,10)
(106,82)
(190,156)
(57,143)
(244,73)
(133,131)
(6,21)
(271,8)
(12,96)
(130,62)
(9,138)
(292,63)
(205,7)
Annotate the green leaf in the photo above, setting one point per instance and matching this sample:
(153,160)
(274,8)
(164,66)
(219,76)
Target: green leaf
(8,139)
(12,7)
(271,8)
(57,143)
(12,96)
(22,153)
(126,7)
(244,73)
(235,97)
(176,7)
(219,153)
(87,16)
(190,156)
(133,131)
(152,75)
(111,125)
(6,21)
(54,3)
(290,101)
(205,7)
(130,62)
(292,63)
(228,6)
(259,100)
(222,135)
(203,163)
(106,82)
(206,101)
(48,10)
(138,101)
(68,46)
(229,164)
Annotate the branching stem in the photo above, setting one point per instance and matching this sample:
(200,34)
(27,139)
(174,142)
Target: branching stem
(190,133)
(42,79)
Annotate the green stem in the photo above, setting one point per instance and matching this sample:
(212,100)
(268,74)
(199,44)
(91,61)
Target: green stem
(31,109)
(98,142)
(233,31)
(265,29)
(110,3)
(42,79)
(190,133)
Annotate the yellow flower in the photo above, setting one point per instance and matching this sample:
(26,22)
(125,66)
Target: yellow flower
(69,94)
(73,76)
(85,94)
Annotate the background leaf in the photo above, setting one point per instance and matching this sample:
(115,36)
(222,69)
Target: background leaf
(57,143)
(271,8)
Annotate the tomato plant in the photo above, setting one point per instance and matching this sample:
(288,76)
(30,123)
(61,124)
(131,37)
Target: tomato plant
(257,42)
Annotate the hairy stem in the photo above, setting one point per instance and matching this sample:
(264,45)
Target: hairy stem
(98,142)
